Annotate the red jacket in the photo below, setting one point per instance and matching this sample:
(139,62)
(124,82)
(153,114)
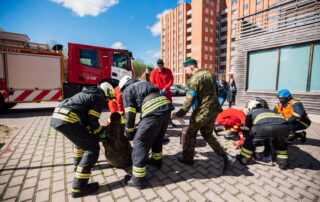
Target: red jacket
(230,117)
(163,80)
(116,105)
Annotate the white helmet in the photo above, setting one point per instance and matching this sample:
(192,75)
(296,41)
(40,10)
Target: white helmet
(123,81)
(107,89)
(257,102)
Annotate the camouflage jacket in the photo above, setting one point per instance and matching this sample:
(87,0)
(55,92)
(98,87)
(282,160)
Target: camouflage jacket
(202,86)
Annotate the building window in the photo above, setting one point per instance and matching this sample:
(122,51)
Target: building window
(234,11)
(206,20)
(211,31)
(206,29)
(233,30)
(245,6)
(180,12)
(211,49)
(234,21)
(293,72)
(210,57)
(210,66)
(206,66)
(315,78)
(205,38)
(211,40)
(259,2)
(180,20)
(232,57)
(207,10)
(206,48)
(211,12)
(233,48)
(206,57)
(234,2)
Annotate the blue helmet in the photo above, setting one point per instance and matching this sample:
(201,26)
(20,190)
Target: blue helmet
(284,93)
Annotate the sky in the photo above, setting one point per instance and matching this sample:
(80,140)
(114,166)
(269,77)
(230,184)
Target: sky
(125,24)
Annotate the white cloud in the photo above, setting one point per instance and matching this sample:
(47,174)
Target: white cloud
(87,7)
(181,1)
(154,54)
(118,45)
(156,28)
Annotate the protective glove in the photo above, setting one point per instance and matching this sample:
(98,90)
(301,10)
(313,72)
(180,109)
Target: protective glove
(102,135)
(130,135)
(163,91)
(239,144)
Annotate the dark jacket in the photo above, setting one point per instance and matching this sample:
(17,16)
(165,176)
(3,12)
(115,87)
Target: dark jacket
(87,105)
(262,116)
(134,101)
(223,89)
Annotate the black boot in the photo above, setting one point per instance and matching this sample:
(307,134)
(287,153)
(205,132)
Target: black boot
(228,161)
(303,136)
(156,163)
(185,161)
(86,190)
(132,181)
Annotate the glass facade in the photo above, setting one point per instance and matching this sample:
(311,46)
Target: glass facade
(315,73)
(296,70)
(263,70)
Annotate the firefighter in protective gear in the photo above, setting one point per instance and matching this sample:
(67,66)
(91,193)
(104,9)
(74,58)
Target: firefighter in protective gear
(203,98)
(116,105)
(144,97)
(77,119)
(262,125)
(293,110)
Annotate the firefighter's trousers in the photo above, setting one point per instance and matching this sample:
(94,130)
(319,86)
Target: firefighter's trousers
(151,131)
(86,151)
(273,133)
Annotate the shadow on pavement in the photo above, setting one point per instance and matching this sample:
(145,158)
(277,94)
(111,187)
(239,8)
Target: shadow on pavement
(23,113)
(302,159)
(37,167)
(310,141)
(173,171)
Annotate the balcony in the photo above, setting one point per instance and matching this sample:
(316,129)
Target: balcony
(189,46)
(223,37)
(189,38)
(189,12)
(223,55)
(223,46)
(188,54)
(189,21)
(223,20)
(189,30)
(223,63)
(223,29)
(224,11)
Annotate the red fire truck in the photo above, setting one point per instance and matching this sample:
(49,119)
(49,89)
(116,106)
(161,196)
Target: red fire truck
(30,72)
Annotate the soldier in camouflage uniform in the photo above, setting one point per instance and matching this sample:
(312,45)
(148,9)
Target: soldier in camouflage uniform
(202,96)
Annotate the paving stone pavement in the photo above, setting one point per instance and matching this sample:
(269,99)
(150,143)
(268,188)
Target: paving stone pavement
(38,166)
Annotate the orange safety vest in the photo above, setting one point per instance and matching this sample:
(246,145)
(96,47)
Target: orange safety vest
(288,110)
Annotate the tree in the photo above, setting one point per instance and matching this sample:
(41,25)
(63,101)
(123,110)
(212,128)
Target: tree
(138,67)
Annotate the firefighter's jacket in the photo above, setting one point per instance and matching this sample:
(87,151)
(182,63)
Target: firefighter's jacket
(83,108)
(293,111)
(262,116)
(143,97)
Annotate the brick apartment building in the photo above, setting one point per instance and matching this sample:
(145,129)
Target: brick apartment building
(194,31)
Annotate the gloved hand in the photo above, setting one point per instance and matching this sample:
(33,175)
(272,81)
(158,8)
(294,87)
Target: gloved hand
(239,144)
(102,135)
(163,91)
(130,135)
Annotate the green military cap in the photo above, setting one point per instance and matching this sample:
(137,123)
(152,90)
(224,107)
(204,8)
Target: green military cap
(149,68)
(190,62)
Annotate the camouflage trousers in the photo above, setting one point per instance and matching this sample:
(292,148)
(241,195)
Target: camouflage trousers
(205,125)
